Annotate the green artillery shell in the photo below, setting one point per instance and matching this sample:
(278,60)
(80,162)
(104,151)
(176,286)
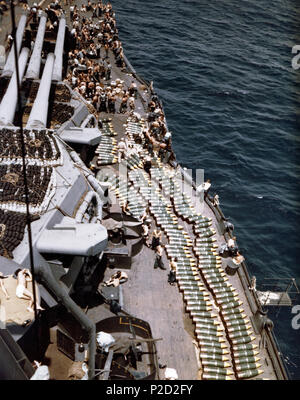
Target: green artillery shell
(239,328)
(243,340)
(187,264)
(242,354)
(239,334)
(219,371)
(213,273)
(235,318)
(208,332)
(215,377)
(207,269)
(198,307)
(226,295)
(216,280)
(217,357)
(221,285)
(210,350)
(211,266)
(237,322)
(199,295)
(247,367)
(212,338)
(224,290)
(205,235)
(209,343)
(249,374)
(190,285)
(246,360)
(210,322)
(208,328)
(201,313)
(226,300)
(186,273)
(242,347)
(211,260)
(197,302)
(215,363)
(208,318)
(237,311)
(187,278)
(232,304)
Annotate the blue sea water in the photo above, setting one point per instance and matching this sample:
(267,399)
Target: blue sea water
(232,100)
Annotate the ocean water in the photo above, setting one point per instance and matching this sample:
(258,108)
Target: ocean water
(232,100)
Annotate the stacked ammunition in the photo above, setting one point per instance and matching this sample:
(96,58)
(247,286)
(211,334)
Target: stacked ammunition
(107,151)
(209,332)
(40,145)
(107,129)
(134,129)
(12,228)
(215,364)
(165,181)
(128,195)
(133,161)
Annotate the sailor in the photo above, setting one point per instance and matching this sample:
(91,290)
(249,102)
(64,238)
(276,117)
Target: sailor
(121,149)
(166,151)
(204,187)
(238,259)
(24,276)
(216,201)
(131,103)
(3,288)
(34,13)
(232,247)
(123,105)
(253,283)
(146,228)
(158,263)
(111,103)
(71,12)
(172,273)
(102,100)
(147,164)
(156,236)
(228,226)
(108,71)
(133,90)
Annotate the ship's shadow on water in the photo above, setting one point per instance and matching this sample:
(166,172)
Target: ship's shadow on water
(223,71)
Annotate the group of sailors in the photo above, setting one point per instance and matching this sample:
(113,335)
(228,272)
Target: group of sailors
(89,63)
(3,10)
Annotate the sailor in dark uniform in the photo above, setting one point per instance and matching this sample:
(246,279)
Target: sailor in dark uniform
(112,104)
(158,263)
(102,100)
(155,239)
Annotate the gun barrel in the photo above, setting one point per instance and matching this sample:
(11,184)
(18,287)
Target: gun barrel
(9,66)
(33,70)
(59,50)
(9,101)
(39,111)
